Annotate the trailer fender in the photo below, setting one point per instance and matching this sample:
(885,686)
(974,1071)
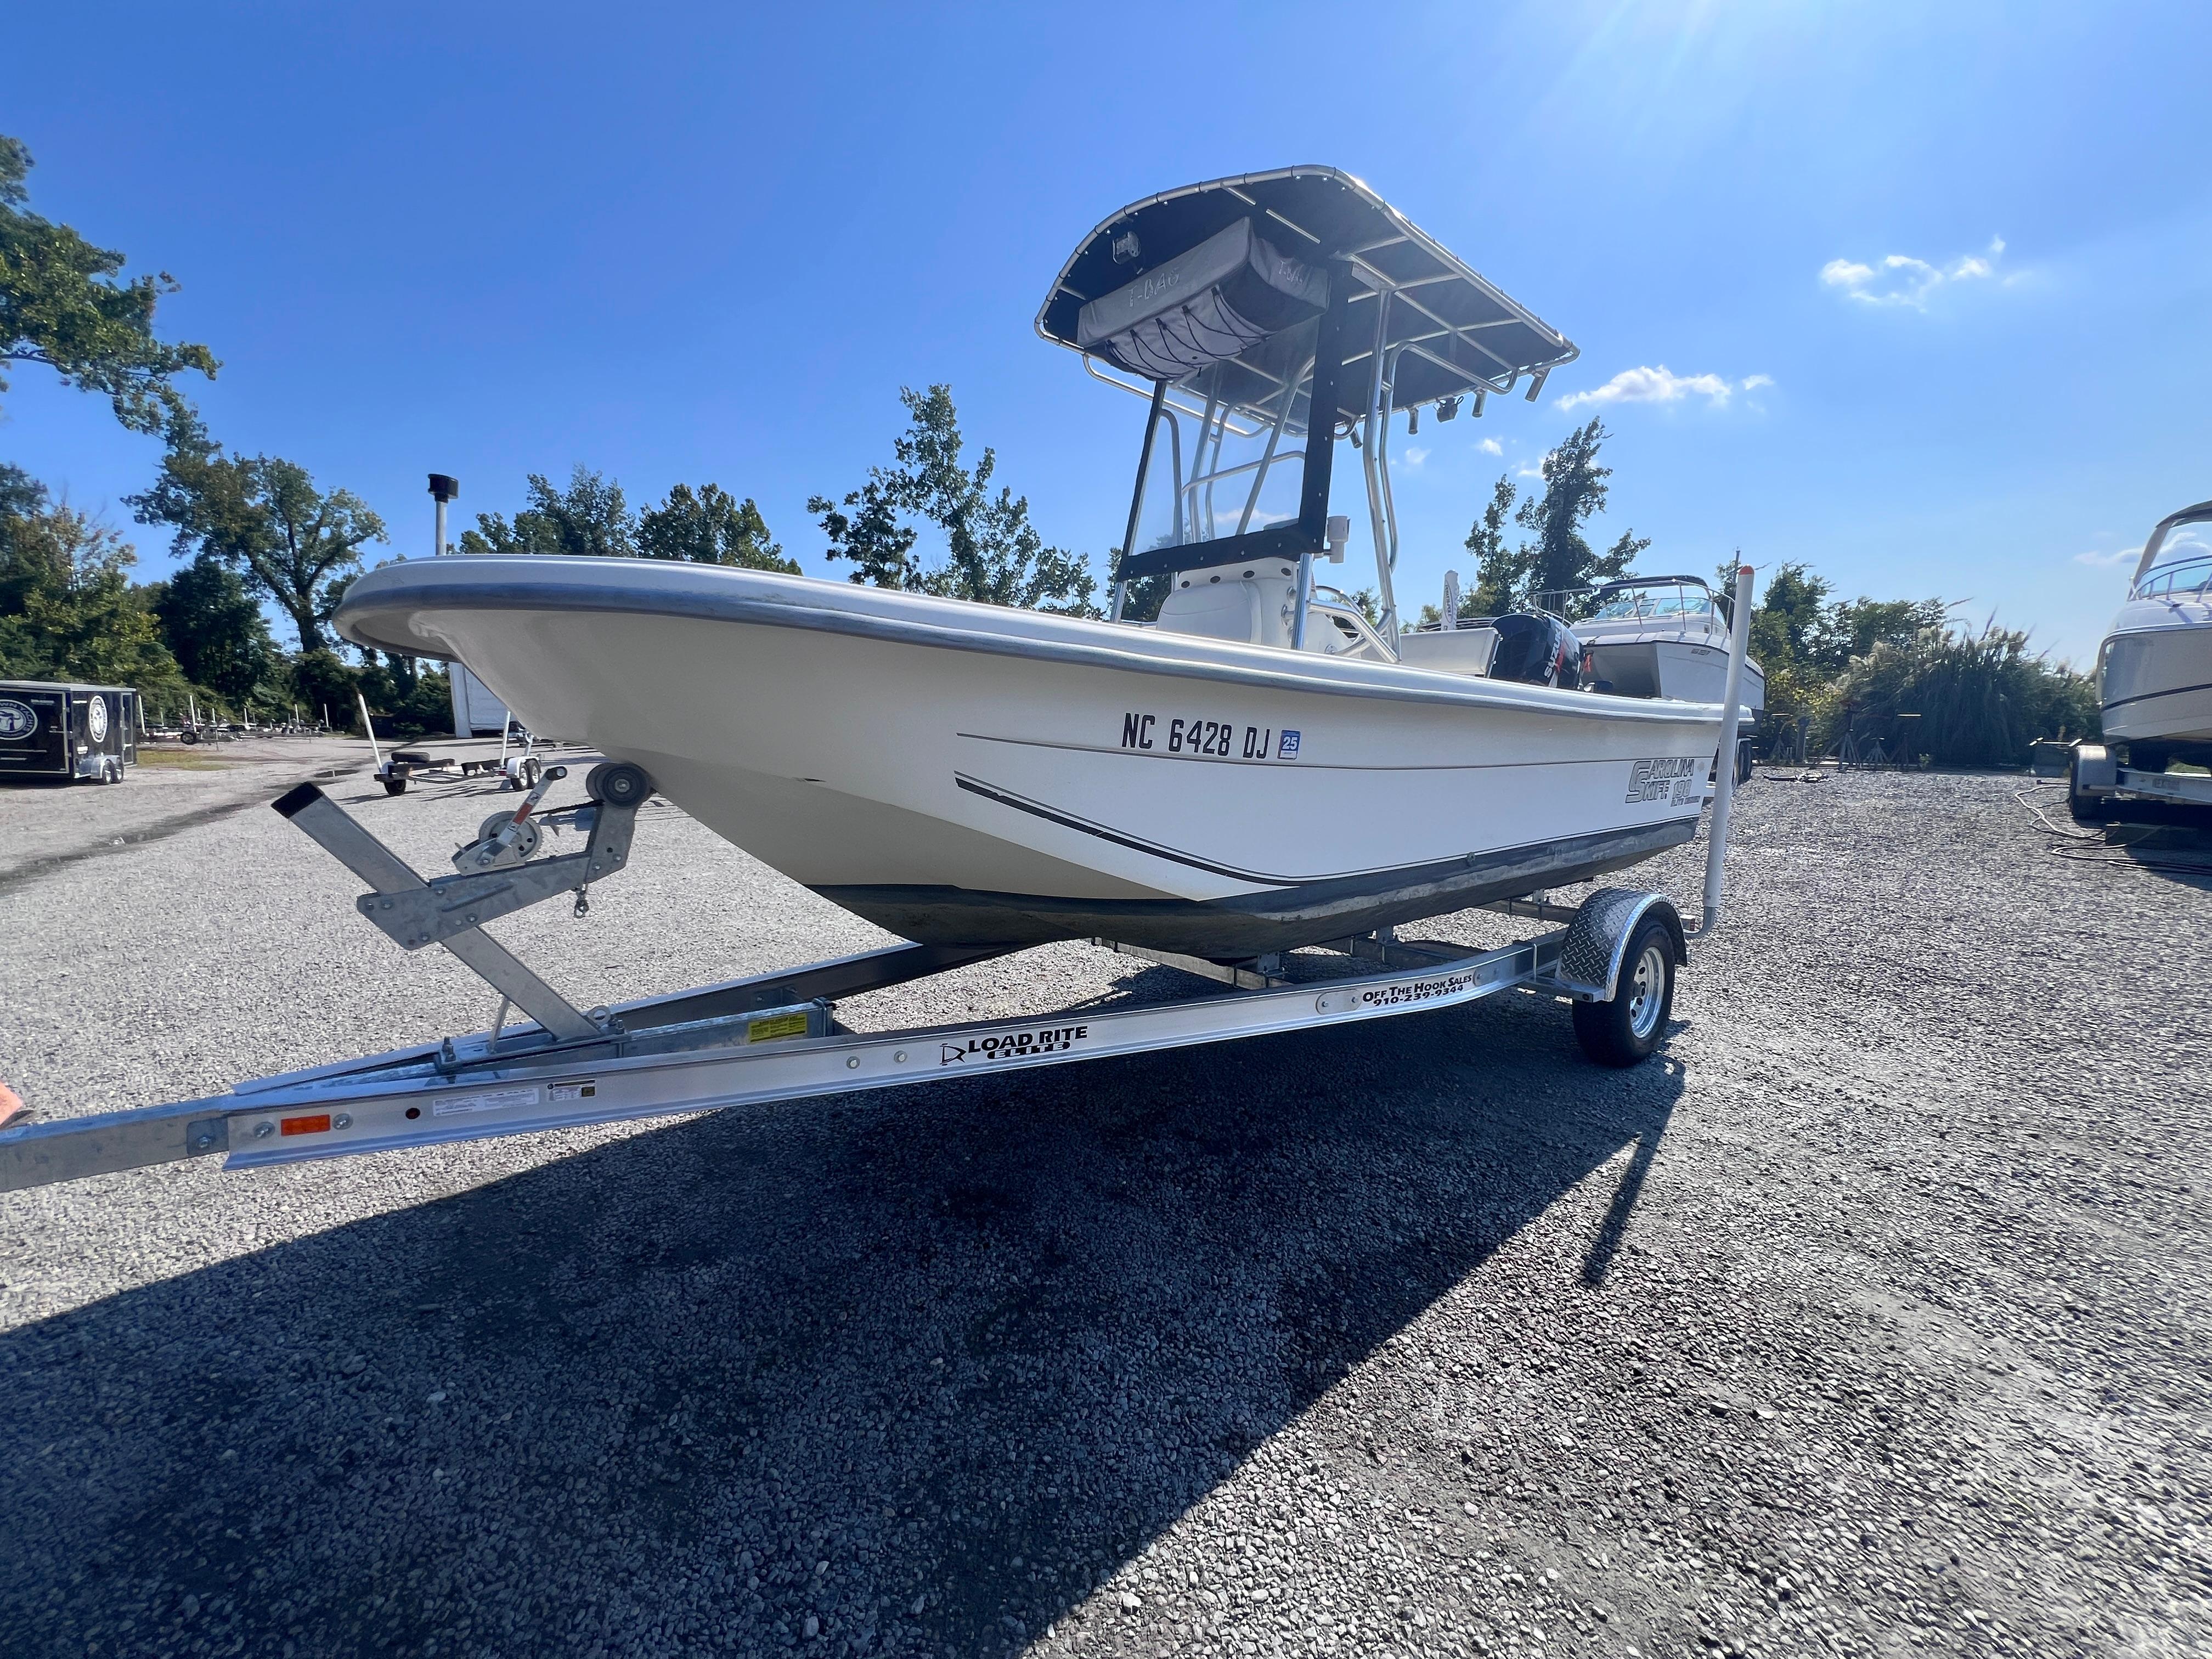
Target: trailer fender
(2095,767)
(1591,956)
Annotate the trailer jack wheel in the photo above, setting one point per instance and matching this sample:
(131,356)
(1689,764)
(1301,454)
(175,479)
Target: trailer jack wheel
(395,786)
(1632,1025)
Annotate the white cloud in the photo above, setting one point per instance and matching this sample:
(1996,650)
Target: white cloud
(1415,455)
(1902,280)
(1491,446)
(1661,386)
(2101,560)
(1524,471)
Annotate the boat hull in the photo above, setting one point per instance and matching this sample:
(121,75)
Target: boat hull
(2154,677)
(1681,669)
(969,775)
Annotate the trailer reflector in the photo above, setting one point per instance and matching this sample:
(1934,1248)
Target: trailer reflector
(316,1125)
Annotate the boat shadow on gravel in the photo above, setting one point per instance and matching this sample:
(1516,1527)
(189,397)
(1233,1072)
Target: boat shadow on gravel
(966,1347)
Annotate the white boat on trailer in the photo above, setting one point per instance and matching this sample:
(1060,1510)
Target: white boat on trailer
(1252,773)
(2154,681)
(1255,770)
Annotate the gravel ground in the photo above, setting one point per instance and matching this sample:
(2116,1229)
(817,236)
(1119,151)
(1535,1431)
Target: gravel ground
(173,788)
(1871,1320)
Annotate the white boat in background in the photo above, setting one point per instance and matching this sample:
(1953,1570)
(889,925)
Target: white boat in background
(1663,636)
(2154,668)
(1253,770)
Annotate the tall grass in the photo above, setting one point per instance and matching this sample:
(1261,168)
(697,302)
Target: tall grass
(1981,699)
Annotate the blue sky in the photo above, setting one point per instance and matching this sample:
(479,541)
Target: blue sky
(1917,295)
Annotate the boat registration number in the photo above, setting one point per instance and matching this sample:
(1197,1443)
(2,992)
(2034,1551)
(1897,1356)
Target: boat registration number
(1213,739)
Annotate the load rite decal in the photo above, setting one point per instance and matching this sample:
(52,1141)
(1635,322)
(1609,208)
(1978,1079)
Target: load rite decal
(1015,1045)
(1661,780)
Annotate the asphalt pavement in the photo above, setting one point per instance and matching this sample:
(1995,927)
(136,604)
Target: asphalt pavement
(1870,1319)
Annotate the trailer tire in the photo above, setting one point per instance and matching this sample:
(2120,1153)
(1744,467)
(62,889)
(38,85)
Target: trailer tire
(2083,807)
(1631,1025)
(395,786)
(619,783)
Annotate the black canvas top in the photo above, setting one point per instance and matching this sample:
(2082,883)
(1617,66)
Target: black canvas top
(1468,334)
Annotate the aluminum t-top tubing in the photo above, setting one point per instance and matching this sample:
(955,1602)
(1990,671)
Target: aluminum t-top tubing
(1137,494)
(1724,762)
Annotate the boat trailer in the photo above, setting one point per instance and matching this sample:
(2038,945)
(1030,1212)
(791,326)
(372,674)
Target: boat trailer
(775,1036)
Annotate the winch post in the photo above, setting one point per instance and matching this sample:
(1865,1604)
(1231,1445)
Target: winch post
(330,826)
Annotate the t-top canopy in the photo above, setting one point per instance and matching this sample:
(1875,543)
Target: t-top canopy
(1232,292)
(1211,273)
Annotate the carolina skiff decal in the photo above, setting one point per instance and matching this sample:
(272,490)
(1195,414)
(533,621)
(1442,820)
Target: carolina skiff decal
(1014,1045)
(17,719)
(1671,778)
(1172,734)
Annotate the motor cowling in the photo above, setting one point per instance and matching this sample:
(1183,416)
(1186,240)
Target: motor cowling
(1536,649)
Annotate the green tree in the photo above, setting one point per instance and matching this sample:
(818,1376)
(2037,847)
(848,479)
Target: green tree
(993,554)
(296,543)
(1561,562)
(1789,622)
(1500,572)
(590,518)
(1552,571)
(215,631)
(61,305)
(1851,630)
(711,527)
(1961,699)
(68,608)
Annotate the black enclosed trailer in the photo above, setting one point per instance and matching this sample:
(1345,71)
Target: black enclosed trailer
(59,733)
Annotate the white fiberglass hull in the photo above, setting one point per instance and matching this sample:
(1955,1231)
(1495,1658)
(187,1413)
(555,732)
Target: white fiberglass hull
(967,773)
(2155,675)
(1681,669)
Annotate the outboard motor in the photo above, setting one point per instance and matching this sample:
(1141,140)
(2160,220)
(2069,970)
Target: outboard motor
(1536,650)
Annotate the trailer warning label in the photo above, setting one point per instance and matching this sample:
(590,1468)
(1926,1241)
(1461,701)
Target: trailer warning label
(492,1100)
(1014,1045)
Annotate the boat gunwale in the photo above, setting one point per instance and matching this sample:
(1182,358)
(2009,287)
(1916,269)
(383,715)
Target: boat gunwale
(361,610)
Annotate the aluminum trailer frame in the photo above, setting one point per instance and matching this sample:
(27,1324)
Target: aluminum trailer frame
(773,1037)
(2099,787)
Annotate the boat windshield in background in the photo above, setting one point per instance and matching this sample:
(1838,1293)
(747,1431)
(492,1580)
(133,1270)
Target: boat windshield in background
(2191,575)
(2177,557)
(1660,597)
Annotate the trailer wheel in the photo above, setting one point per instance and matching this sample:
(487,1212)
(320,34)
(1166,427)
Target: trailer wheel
(2083,807)
(395,786)
(617,783)
(1631,1026)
